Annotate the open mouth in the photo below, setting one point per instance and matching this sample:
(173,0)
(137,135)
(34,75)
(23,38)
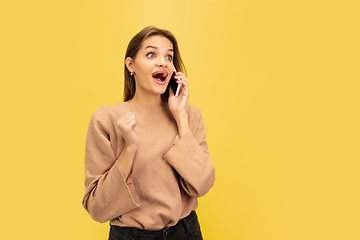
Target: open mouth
(159,76)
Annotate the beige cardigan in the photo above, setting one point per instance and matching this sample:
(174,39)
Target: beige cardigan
(168,174)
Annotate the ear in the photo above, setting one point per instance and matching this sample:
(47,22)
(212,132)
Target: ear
(129,64)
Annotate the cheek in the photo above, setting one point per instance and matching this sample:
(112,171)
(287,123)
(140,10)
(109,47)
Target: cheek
(144,67)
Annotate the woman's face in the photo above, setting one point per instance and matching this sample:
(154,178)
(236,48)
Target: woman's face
(153,65)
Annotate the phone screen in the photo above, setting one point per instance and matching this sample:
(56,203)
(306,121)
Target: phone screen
(173,83)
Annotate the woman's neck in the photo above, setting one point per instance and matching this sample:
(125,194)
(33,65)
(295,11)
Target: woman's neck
(148,100)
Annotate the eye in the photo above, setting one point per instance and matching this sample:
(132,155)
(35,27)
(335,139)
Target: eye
(170,58)
(150,55)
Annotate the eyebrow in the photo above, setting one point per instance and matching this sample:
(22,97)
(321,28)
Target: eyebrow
(152,46)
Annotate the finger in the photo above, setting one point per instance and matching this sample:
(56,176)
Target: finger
(184,89)
(131,125)
(179,74)
(129,119)
(128,127)
(180,77)
(183,83)
(126,118)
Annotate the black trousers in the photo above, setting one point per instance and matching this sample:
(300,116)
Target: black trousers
(186,229)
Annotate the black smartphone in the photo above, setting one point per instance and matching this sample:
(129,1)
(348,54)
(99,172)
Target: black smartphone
(173,83)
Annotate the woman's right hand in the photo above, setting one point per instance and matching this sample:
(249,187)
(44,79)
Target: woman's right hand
(127,124)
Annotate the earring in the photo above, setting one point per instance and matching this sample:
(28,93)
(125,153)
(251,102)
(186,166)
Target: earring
(131,73)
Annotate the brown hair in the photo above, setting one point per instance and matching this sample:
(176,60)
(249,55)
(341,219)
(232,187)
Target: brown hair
(135,45)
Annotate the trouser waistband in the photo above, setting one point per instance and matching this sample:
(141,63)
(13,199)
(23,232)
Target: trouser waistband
(183,223)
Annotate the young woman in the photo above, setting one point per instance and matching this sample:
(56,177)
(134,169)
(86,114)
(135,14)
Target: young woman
(146,159)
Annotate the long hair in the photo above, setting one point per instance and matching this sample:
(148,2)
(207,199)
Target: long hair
(133,48)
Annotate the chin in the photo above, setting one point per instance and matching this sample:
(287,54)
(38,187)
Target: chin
(161,91)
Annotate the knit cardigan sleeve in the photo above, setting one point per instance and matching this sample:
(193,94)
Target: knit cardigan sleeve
(107,194)
(189,156)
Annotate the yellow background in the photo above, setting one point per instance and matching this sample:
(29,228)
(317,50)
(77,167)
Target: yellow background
(277,82)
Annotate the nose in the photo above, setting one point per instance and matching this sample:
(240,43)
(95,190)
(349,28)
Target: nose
(161,62)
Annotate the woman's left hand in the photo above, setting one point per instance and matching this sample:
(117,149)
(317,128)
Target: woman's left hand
(178,105)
